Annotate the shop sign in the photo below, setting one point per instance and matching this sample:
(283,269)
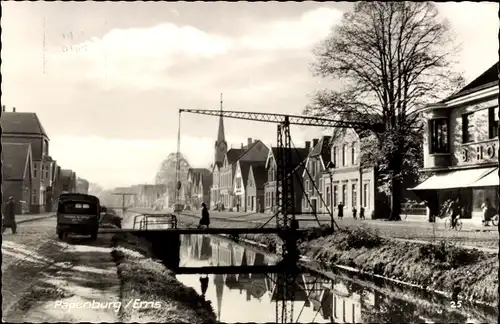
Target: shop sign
(479,153)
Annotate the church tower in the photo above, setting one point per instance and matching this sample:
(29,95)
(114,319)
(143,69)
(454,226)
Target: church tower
(220,144)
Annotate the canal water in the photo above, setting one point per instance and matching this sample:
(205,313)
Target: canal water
(335,298)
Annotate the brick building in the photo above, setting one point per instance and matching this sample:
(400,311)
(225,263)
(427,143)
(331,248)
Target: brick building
(17,174)
(26,128)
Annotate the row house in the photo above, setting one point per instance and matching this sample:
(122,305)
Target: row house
(26,128)
(198,188)
(299,155)
(316,164)
(347,178)
(461,147)
(255,188)
(17,174)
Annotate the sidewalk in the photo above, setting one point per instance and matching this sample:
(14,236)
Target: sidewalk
(468,247)
(32,217)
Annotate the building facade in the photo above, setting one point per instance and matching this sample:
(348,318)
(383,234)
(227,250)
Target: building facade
(461,147)
(149,196)
(26,128)
(257,177)
(198,188)
(345,179)
(17,174)
(298,161)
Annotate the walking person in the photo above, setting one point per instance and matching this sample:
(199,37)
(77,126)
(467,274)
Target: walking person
(455,210)
(9,218)
(487,209)
(341,210)
(354,212)
(205,216)
(204,285)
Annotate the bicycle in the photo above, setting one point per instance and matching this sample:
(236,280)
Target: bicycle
(494,220)
(458,224)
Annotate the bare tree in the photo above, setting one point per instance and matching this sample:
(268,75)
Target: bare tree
(167,174)
(391,58)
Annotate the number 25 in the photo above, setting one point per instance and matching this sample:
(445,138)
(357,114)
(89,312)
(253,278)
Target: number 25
(457,304)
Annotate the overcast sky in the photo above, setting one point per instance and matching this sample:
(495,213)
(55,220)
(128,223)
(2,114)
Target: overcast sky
(111,109)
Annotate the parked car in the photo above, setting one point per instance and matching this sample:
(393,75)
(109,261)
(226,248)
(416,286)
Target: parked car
(109,218)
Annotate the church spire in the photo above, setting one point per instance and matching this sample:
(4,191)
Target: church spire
(220,133)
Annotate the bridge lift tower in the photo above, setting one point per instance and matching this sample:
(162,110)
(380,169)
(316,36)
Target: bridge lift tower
(124,194)
(285,217)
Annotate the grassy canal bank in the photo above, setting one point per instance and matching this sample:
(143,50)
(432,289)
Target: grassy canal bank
(442,267)
(142,277)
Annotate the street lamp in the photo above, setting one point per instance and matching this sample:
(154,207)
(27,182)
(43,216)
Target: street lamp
(330,167)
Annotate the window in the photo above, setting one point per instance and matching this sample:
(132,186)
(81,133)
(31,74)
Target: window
(42,196)
(307,185)
(320,187)
(328,196)
(318,167)
(365,195)
(344,194)
(344,154)
(334,155)
(493,122)
(313,168)
(35,170)
(468,128)
(354,195)
(335,193)
(34,196)
(439,136)
(354,158)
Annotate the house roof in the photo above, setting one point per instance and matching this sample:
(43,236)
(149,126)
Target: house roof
(259,175)
(15,157)
(322,149)
(245,168)
(487,79)
(234,154)
(21,123)
(298,155)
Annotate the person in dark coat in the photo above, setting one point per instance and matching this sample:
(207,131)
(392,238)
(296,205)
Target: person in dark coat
(205,216)
(204,285)
(362,213)
(9,219)
(341,210)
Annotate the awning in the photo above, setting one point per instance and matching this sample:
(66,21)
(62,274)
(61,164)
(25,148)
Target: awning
(454,179)
(488,180)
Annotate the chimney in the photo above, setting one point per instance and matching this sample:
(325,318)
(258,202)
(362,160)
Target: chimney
(242,145)
(249,141)
(315,142)
(308,145)
(14,109)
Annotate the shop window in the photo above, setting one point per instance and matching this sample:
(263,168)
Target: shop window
(34,196)
(439,136)
(344,194)
(493,122)
(468,134)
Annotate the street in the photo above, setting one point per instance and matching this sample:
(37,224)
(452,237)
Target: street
(41,276)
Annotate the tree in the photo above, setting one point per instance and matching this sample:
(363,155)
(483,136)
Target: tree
(392,58)
(167,174)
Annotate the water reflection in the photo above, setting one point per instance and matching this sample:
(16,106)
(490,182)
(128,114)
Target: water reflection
(248,297)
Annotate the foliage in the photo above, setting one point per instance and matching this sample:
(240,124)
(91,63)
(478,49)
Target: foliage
(449,255)
(391,58)
(358,238)
(167,174)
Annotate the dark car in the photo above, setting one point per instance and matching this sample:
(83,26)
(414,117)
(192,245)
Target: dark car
(109,218)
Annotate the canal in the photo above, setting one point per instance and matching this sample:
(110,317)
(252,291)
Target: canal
(333,297)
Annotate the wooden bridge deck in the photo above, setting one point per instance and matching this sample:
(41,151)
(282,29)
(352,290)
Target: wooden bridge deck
(234,231)
(229,269)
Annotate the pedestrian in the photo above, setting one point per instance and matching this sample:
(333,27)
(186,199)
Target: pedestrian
(455,210)
(487,208)
(205,216)
(354,212)
(9,218)
(362,213)
(341,210)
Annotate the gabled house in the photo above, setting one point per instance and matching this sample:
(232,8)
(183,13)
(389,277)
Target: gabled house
(26,128)
(254,153)
(17,173)
(204,184)
(317,161)
(195,193)
(353,182)
(299,156)
(256,179)
(242,182)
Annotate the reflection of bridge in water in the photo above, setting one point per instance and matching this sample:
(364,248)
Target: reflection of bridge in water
(333,300)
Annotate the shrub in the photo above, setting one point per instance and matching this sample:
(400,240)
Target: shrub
(358,238)
(449,254)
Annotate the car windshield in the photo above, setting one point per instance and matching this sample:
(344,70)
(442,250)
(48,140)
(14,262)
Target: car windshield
(76,207)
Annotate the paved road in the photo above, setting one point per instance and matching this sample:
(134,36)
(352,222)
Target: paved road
(38,270)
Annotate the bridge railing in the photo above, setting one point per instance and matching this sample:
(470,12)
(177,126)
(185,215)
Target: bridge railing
(155,221)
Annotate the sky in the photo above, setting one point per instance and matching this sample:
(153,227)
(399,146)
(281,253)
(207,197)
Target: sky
(107,79)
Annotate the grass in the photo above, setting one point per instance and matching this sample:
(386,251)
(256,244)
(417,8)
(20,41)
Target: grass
(144,278)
